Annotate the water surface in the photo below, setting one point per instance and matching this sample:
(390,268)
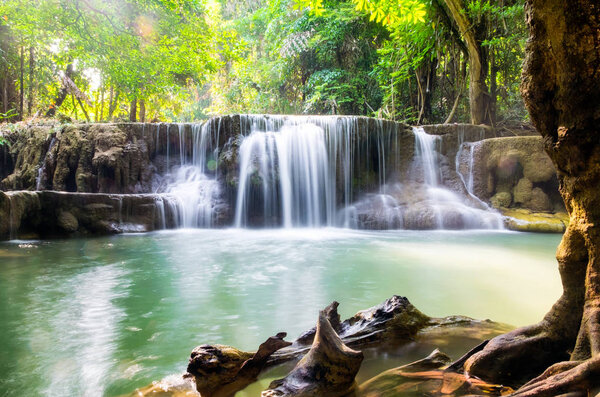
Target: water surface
(102,316)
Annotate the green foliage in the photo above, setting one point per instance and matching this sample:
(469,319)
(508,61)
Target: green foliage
(148,50)
(188,59)
(291,60)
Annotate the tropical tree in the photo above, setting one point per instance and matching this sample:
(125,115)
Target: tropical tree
(561,88)
(135,50)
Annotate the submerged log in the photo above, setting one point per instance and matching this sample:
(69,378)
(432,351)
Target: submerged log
(328,370)
(221,371)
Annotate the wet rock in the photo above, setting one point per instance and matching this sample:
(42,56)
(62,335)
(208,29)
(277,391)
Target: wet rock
(51,214)
(5,223)
(67,221)
(327,370)
(527,221)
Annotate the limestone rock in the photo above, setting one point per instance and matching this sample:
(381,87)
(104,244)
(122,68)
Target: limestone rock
(501,200)
(503,163)
(524,220)
(67,221)
(538,167)
(523,191)
(539,201)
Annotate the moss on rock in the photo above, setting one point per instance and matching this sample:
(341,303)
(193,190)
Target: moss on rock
(501,200)
(528,221)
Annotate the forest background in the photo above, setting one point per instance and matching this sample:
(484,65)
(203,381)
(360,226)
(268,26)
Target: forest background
(418,61)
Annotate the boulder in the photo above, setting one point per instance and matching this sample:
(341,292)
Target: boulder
(537,167)
(522,192)
(539,201)
(67,221)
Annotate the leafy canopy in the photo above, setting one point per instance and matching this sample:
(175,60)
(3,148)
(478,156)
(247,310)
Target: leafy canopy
(386,12)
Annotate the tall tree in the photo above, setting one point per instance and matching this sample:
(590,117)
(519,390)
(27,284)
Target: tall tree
(561,88)
(473,34)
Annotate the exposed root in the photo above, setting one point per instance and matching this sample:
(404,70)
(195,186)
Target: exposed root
(514,358)
(571,378)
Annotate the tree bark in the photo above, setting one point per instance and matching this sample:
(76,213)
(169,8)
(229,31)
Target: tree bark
(21,83)
(133,110)
(113,102)
(142,111)
(85,113)
(479,98)
(30,82)
(101,103)
(561,89)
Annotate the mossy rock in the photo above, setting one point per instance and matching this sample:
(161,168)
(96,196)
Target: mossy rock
(527,221)
(501,200)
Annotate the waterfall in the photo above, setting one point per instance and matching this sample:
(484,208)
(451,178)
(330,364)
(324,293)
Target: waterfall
(40,180)
(468,148)
(289,171)
(426,155)
(310,171)
(191,185)
(448,208)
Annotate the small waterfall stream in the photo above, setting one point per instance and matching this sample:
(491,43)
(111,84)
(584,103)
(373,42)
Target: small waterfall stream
(447,206)
(191,184)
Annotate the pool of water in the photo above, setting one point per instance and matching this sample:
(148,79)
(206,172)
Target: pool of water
(103,316)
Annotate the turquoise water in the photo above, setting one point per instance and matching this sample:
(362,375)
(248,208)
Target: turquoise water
(103,316)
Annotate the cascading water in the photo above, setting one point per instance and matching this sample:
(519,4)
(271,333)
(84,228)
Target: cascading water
(307,171)
(191,185)
(447,207)
(292,165)
(40,178)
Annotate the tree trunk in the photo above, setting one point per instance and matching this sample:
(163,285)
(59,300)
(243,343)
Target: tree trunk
(479,98)
(101,103)
(142,111)
(5,95)
(133,110)
(62,94)
(30,82)
(561,89)
(113,102)
(85,113)
(22,84)
(493,87)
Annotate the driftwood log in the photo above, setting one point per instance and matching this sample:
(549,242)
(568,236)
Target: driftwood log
(221,371)
(327,370)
